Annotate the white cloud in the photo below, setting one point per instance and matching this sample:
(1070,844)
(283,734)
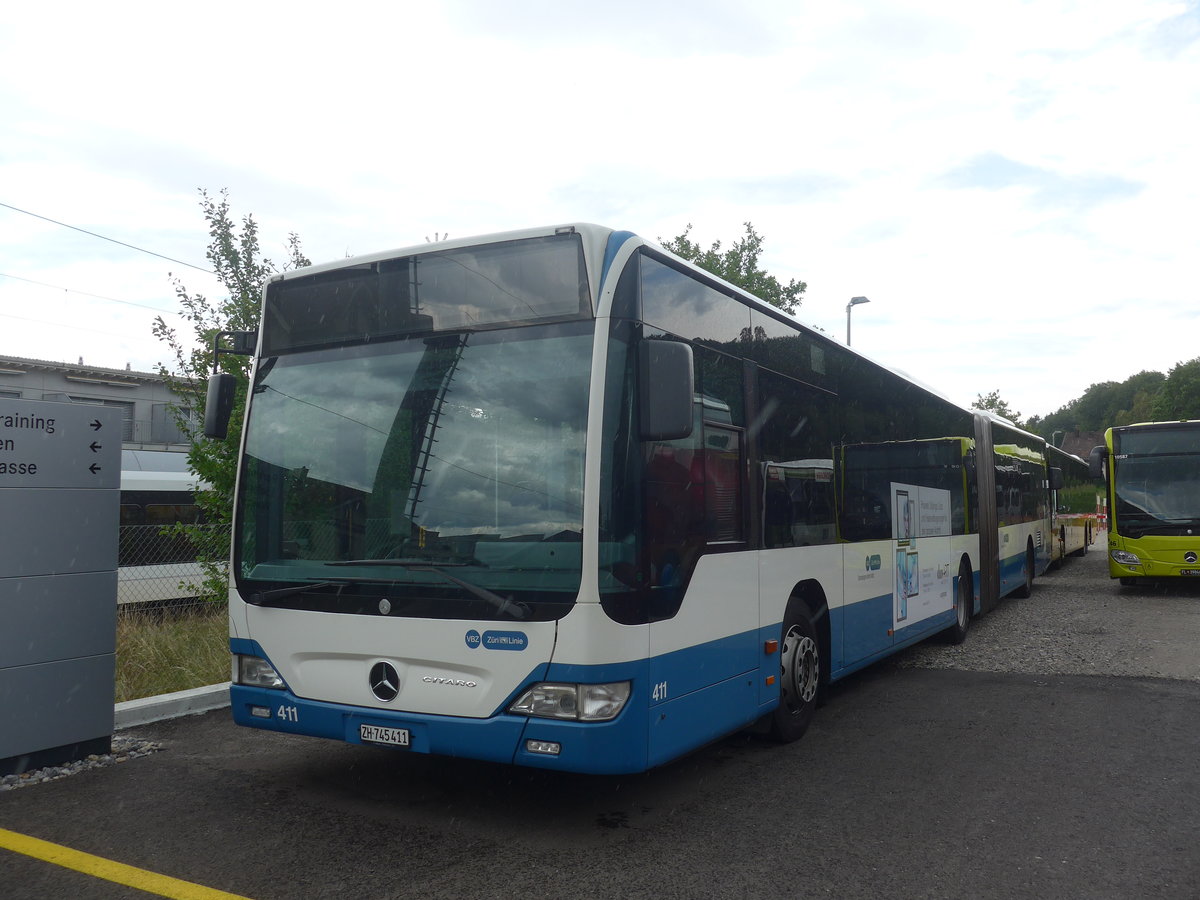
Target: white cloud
(1013,185)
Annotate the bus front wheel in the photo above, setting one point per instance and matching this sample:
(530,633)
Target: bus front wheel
(800,677)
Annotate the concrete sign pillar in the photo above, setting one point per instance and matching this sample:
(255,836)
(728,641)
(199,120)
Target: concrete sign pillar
(60,480)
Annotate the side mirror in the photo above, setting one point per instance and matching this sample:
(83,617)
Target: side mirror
(222,386)
(243,342)
(665,390)
(1056,478)
(219,405)
(1096,461)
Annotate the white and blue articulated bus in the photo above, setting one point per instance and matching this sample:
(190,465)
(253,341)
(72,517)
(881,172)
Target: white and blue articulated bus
(558,498)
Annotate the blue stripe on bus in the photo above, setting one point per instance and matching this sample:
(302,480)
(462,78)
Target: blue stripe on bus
(680,711)
(615,241)
(866,628)
(866,631)
(487,739)
(1012,573)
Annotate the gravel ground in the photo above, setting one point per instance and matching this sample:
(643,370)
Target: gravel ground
(124,748)
(1080,622)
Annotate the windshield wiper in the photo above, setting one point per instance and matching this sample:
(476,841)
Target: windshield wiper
(264,598)
(505,605)
(405,562)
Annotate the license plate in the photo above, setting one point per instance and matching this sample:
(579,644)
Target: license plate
(378,734)
(1189,571)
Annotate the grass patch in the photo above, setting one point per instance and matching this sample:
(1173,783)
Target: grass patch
(166,650)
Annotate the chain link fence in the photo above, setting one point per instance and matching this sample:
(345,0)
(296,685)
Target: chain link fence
(158,567)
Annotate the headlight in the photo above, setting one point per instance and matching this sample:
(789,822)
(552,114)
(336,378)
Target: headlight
(1125,558)
(253,671)
(577,702)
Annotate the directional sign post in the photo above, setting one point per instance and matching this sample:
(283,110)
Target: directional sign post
(60,478)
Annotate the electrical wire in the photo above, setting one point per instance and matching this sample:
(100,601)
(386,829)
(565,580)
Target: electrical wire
(165,312)
(103,238)
(63,325)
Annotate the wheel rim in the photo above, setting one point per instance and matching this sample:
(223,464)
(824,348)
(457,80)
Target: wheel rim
(801,669)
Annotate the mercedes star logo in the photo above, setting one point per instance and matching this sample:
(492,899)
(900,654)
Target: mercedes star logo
(384,681)
(1189,557)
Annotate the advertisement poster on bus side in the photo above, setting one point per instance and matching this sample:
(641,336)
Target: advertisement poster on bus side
(921,531)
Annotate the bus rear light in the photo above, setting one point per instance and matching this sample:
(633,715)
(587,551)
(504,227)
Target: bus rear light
(577,702)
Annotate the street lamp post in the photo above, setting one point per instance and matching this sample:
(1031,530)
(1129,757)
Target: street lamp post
(854,301)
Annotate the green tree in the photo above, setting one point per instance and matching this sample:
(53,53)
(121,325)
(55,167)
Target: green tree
(739,265)
(237,261)
(1140,410)
(992,401)
(1106,404)
(1179,397)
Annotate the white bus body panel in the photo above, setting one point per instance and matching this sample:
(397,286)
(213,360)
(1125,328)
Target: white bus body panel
(329,658)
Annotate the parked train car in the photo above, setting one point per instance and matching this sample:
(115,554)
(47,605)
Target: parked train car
(157,491)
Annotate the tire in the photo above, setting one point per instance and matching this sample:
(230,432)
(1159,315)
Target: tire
(1087,539)
(963,605)
(799,676)
(1026,590)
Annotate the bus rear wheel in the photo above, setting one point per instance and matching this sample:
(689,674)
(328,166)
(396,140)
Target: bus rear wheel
(957,633)
(800,677)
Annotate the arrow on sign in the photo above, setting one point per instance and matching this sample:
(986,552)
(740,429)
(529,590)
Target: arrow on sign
(95,447)
(93,468)
(96,426)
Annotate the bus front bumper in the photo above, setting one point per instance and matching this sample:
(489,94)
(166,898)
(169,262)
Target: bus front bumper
(616,747)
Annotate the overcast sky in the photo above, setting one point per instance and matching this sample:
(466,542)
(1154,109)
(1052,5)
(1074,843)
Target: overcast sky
(1015,186)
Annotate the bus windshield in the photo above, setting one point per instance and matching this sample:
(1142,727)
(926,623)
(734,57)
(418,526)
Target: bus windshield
(444,472)
(1157,481)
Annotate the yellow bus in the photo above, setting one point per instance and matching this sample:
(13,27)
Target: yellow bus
(1152,475)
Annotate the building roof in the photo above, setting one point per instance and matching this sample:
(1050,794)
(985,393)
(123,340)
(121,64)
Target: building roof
(78,370)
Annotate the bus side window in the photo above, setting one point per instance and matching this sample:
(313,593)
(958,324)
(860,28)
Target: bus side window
(717,472)
(792,425)
(722,483)
(674,511)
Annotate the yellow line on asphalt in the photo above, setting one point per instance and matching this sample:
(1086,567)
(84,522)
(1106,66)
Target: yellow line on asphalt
(99,867)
